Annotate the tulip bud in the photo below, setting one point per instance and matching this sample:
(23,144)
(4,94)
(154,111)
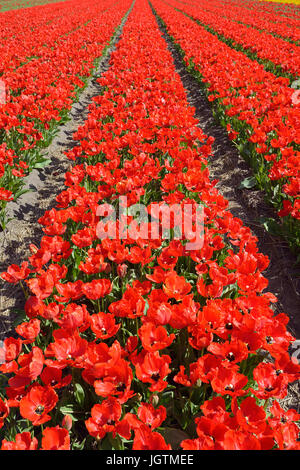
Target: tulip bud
(154,400)
(67,422)
(122,270)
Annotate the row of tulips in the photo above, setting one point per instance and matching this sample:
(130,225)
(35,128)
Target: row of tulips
(289,9)
(283,13)
(26,34)
(278,55)
(130,339)
(274,24)
(41,89)
(257,108)
(8,5)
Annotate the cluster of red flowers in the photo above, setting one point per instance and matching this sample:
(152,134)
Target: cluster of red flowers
(271,24)
(127,336)
(47,54)
(26,34)
(264,45)
(271,10)
(256,106)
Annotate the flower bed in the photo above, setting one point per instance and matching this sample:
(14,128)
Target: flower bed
(276,54)
(270,23)
(262,119)
(40,91)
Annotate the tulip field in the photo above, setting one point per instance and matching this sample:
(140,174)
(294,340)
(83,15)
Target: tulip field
(136,334)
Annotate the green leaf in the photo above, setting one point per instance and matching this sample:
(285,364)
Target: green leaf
(79,394)
(21,317)
(78,445)
(146,307)
(24,425)
(116,442)
(21,192)
(42,163)
(230,289)
(68,410)
(271,226)
(248,183)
